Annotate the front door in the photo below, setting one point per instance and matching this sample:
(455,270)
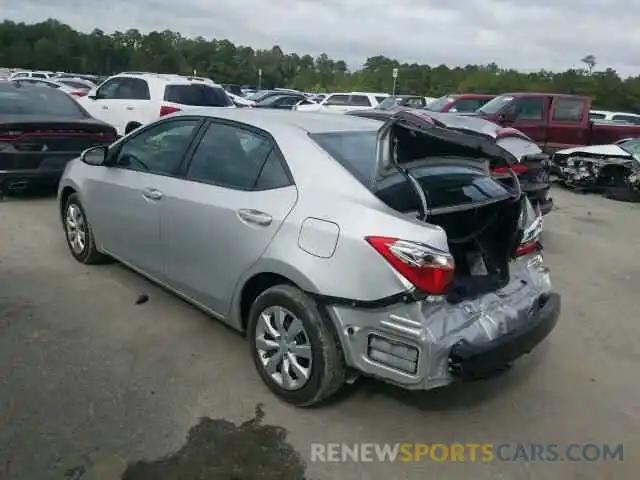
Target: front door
(221,218)
(530,116)
(124,200)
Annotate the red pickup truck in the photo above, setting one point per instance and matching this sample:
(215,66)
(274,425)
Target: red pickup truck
(554,121)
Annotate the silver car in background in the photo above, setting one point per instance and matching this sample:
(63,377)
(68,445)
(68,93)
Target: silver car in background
(338,245)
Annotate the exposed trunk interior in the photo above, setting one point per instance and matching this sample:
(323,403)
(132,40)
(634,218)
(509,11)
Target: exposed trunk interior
(480,215)
(482,241)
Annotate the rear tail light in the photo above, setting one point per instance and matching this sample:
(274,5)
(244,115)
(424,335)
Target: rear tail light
(527,248)
(79,93)
(517,169)
(168,110)
(428,269)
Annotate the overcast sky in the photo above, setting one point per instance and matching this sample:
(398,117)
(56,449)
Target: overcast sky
(522,34)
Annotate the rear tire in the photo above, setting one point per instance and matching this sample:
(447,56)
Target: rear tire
(326,369)
(78,233)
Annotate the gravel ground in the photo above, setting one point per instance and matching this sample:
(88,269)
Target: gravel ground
(95,386)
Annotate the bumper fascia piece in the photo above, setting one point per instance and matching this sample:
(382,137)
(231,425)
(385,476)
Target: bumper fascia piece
(434,343)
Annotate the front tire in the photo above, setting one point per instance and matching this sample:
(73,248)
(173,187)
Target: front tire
(80,239)
(294,350)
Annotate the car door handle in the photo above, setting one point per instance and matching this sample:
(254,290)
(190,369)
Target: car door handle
(255,216)
(104,107)
(152,194)
(129,108)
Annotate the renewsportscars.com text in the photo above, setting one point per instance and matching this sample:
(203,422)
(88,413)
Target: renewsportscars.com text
(466,452)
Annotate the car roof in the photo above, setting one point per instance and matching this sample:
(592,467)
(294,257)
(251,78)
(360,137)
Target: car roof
(310,122)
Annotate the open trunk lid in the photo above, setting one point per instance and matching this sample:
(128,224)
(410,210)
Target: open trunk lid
(434,143)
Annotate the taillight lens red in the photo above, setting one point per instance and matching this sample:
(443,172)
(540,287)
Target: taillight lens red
(527,248)
(167,110)
(517,169)
(79,93)
(429,269)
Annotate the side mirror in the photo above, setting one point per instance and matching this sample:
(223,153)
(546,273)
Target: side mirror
(96,156)
(93,95)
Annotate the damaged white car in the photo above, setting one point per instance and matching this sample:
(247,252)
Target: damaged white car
(612,169)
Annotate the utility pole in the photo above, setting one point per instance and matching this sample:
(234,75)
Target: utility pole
(259,79)
(395,80)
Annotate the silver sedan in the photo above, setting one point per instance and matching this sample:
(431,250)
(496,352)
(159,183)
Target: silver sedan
(339,246)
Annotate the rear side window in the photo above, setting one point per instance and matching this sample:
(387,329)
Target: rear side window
(568,110)
(360,101)
(355,151)
(38,75)
(197,95)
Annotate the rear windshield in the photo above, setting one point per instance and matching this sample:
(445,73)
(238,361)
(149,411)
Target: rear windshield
(38,100)
(446,185)
(197,95)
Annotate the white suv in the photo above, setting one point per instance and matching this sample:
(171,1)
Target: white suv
(132,99)
(29,74)
(344,102)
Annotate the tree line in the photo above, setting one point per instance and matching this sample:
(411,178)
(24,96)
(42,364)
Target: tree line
(53,45)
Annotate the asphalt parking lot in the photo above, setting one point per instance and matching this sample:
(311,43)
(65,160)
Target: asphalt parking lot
(93,385)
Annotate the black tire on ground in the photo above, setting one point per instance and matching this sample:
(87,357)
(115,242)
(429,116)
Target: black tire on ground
(328,370)
(89,254)
(619,189)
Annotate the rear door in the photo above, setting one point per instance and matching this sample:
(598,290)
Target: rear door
(219,220)
(124,200)
(529,114)
(567,123)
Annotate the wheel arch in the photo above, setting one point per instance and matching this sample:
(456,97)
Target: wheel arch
(261,277)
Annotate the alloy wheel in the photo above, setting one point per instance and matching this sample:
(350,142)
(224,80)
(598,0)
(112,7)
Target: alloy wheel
(76,228)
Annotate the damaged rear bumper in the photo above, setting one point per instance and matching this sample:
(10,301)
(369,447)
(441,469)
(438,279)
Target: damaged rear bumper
(468,360)
(431,343)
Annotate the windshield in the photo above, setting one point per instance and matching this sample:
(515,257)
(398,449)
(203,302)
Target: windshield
(495,105)
(38,100)
(439,104)
(197,95)
(355,151)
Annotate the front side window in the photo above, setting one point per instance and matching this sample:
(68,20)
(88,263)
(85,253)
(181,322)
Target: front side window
(231,157)
(159,149)
(494,106)
(466,105)
(337,100)
(529,109)
(38,75)
(626,118)
(109,89)
(133,89)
